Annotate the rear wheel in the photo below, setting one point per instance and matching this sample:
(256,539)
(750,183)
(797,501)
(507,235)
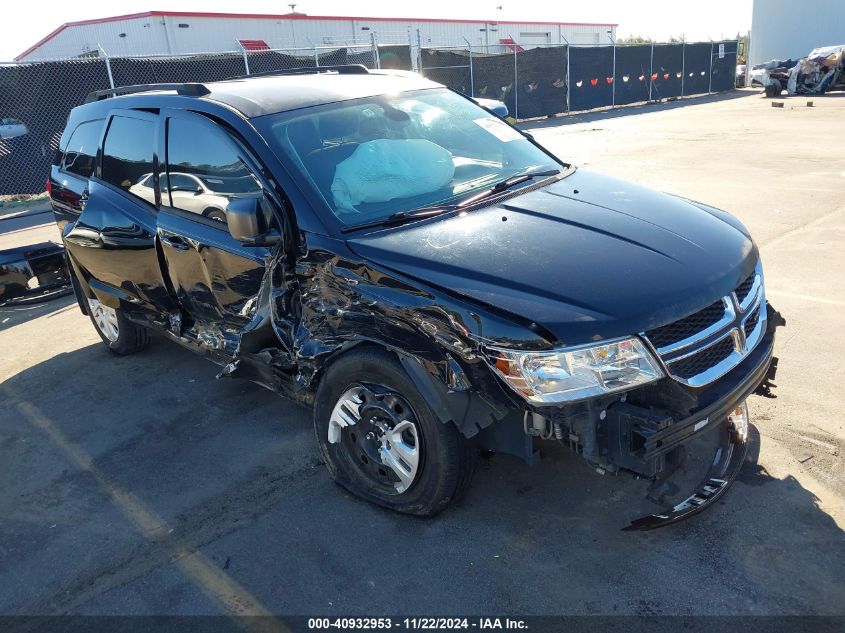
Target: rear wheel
(381,441)
(119,334)
(215,214)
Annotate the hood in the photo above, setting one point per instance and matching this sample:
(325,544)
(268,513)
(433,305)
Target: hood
(588,257)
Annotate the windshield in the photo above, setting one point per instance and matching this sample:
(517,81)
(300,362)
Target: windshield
(374,157)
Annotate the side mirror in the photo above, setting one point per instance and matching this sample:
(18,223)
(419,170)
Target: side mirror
(248,223)
(198,191)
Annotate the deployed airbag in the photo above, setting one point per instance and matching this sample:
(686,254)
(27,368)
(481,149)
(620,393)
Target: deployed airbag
(386,169)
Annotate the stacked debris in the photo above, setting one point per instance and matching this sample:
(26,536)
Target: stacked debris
(822,70)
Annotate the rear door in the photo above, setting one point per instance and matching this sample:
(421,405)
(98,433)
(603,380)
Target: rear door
(72,167)
(216,280)
(112,243)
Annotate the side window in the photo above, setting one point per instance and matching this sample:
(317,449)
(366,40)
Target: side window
(205,170)
(128,156)
(81,149)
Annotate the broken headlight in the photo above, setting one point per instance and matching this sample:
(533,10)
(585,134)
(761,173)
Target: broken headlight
(575,373)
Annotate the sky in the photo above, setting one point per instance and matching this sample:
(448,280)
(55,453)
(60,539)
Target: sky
(24,23)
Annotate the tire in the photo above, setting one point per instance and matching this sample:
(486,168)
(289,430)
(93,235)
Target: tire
(388,398)
(773,89)
(215,214)
(119,334)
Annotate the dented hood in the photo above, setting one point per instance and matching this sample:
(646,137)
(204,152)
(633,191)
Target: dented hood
(588,257)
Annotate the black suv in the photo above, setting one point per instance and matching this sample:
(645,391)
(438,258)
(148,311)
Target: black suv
(432,280)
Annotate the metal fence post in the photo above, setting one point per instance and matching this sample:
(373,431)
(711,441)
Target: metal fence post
(419,52)
(316,54)
(651,72)
(710,85)
(568,84)
(108,66)
(471,77)
(613,83)
(376,59)
(683,64)
(246,61)
(515,80)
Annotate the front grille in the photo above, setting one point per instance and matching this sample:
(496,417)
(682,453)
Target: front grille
(751,322)
(688,326)
(744,288)
(693,346)
(702,361)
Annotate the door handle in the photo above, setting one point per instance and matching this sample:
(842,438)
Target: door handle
(174,241)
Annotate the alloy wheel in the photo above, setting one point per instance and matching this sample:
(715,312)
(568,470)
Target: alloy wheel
(105,318)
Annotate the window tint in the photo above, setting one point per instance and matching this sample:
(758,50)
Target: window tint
(82,149)
(205,169)
(128,155)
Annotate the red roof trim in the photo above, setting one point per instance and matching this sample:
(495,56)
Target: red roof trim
(303,16)
(288,16)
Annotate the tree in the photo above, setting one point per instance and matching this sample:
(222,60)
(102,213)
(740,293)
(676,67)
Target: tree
(634,39)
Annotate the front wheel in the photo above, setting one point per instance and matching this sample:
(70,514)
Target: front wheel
(119,334)
(381,441)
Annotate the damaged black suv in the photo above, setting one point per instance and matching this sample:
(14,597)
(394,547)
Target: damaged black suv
(432,280)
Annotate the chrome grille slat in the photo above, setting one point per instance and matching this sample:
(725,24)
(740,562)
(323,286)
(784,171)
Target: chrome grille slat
(699,357)
(701,360)
(662,337)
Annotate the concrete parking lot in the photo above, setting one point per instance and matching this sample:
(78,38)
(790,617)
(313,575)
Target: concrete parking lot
(141,485)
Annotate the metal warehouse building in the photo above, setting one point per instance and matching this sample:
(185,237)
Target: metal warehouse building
(176,33)
(783,29)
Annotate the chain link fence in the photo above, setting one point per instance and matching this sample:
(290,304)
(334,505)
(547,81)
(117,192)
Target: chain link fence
(549,80)
(36,97)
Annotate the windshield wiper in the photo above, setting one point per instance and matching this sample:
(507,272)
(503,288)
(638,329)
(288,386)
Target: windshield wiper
(506,184)
(400,217)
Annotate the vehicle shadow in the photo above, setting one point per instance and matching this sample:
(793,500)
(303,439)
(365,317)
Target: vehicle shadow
(233,471)
(14,314)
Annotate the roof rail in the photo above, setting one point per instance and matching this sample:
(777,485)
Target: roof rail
(188,89)
(341,69)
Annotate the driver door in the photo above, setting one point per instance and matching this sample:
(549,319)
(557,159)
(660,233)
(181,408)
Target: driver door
(215,278)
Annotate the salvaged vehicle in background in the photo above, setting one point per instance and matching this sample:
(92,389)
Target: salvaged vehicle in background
(740,75)
(430,278)
(821,71)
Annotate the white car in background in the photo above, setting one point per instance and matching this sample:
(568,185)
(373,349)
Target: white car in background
(10,128)
(208,196)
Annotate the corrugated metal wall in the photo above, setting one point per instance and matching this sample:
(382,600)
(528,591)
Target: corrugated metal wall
(783,29)
(156,35)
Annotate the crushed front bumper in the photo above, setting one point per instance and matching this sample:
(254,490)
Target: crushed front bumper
(33,272)
(712,428)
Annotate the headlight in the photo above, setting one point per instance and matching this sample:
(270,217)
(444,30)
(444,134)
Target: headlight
(575,373)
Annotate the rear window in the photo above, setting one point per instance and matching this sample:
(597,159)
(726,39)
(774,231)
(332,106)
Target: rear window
(128,153)
(81,150)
